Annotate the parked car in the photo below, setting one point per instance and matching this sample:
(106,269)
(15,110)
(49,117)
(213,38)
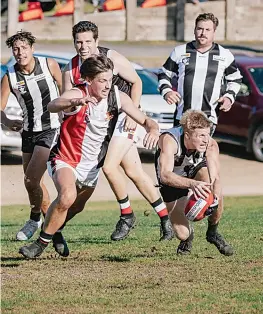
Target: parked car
(243,124)
(152,102)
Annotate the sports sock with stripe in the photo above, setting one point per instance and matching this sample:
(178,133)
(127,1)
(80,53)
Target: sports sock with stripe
(125,207)
(44,238)
(160,209)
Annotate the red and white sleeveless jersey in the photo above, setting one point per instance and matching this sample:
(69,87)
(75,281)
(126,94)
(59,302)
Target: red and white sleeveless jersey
(74,71)
(75,77)
(85,134)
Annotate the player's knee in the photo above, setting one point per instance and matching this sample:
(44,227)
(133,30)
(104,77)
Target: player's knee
(66,199)
(45,205)
(109,170)
(182,232)
(134,175)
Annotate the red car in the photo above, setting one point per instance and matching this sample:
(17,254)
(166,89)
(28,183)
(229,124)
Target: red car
(243,124)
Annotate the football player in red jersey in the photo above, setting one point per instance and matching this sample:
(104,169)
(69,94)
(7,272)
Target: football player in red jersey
(122,148)
(85,133)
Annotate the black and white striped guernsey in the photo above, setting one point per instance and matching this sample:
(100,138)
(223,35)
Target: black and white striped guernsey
(200,78)
(185,164)
(34,91)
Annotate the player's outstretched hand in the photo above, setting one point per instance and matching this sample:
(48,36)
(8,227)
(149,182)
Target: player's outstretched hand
(130,125)
(15,125)
(200,189)
(172,97)
(151,139)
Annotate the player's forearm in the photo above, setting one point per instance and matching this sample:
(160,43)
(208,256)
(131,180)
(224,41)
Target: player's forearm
(136,92)
(174,180)
(165,81)
(150,125)
(61,104)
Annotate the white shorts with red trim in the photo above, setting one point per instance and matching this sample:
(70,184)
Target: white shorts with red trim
(119,129)
(83,179)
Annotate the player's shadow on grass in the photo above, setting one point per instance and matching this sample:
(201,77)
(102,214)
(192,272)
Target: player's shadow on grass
(8,158)
(115,258)
(9,240)
(90,240)
(10,259)
(9,265)
(10,225)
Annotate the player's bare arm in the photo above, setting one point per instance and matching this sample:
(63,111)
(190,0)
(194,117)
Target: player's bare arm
(169,149)
(127,72)
(70,100)
(56,72)
(15,125)
(66,80)
(152,128)
(213,165)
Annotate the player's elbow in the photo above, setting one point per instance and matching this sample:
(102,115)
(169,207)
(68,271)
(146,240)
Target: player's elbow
(164,177)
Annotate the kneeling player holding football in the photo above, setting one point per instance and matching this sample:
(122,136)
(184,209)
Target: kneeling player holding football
(188,159)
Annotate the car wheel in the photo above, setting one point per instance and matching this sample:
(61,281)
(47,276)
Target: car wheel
(257,143)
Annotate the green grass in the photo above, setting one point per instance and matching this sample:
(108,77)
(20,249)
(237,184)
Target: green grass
(140,274)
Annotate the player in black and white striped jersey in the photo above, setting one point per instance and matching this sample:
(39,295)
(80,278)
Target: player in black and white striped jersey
(35,82)
(201,66)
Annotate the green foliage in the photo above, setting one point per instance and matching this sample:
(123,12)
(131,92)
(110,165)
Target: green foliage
(140,274)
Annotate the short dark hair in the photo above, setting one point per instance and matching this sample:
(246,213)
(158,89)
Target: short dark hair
(21,35)
(207,17)
(85,26)
(95,65)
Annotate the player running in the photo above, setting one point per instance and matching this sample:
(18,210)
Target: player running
(122,150)
(91,112)
(35,81)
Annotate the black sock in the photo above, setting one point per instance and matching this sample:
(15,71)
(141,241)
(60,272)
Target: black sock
(44,238)
(164,218)
(212,228)
(35,216)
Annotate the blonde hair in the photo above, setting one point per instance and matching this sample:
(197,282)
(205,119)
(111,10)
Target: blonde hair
(194,119)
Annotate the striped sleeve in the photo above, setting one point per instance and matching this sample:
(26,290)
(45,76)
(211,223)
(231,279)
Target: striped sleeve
(233,78)
(167,72)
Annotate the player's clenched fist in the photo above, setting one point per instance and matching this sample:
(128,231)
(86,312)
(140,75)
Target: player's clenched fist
(172,97)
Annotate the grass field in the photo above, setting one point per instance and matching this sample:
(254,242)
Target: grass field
(140,274)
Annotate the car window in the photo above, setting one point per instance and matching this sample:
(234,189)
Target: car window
(257,74)
(149,82)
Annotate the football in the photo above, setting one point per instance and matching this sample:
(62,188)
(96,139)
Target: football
(198,209)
